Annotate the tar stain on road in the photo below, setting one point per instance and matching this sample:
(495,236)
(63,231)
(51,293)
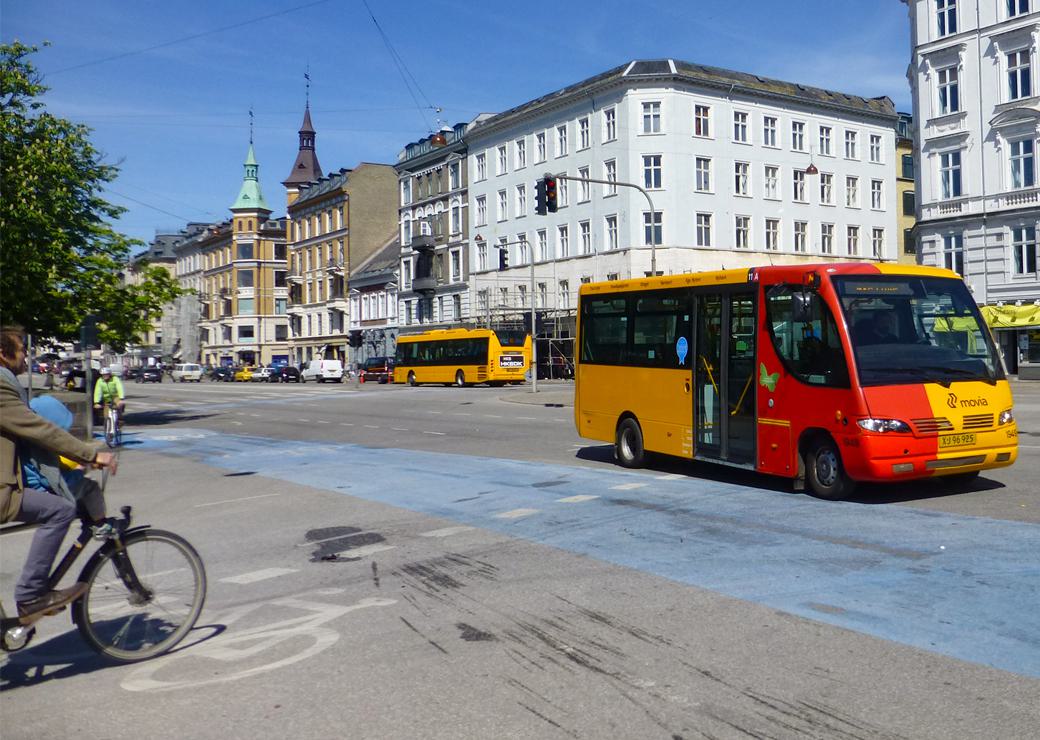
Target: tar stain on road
(469,633)
(335,543)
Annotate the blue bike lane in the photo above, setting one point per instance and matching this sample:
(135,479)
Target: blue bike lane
(966,587)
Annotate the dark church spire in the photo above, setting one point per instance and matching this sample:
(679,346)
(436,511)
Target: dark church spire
(306,168)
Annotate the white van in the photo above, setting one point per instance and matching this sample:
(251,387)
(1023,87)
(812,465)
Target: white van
(186,372)
(322,370)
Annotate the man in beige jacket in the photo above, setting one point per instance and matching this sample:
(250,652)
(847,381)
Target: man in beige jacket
(20,426)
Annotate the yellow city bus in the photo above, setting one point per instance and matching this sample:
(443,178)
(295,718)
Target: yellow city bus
(828,374)
(463,357)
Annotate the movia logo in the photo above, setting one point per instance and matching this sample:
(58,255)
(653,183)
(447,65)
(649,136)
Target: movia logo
(965,403)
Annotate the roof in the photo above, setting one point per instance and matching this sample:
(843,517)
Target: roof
(306,168)
(704,75)
(379,266)
(250,197)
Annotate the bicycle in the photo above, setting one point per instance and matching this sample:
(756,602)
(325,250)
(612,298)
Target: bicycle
(113,426)
(145,591)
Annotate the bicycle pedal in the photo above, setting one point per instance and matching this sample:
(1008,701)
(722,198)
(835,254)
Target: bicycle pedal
(37,616)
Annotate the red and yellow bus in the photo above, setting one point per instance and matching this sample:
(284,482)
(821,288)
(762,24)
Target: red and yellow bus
(829,374)
(463,357)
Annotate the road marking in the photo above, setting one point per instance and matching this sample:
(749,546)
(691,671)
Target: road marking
(345,424)
(516,513)
(235,500)
(439,434)
(492,416)
(575,499)
(370,426)
(446,532)
(399,429)
(436,412)
(258,575)
(670,476)
(306,420)
(365,551)
(237,423)
(627,486)
(527,418)
(462,414)
(319,421)
(255,416)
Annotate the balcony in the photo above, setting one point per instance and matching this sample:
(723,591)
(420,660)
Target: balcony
(423,242)
(425,285)
(337,301)
(294,276)
(334,266)
(1019,198)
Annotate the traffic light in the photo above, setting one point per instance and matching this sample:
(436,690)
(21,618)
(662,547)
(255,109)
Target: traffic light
(549,182)
(539,198)
(354,339)
(503,258)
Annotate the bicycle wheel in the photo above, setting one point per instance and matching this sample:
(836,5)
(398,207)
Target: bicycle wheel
(110,430)
(117,422)
(127,622)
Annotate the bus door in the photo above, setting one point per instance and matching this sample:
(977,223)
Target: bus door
(724,393)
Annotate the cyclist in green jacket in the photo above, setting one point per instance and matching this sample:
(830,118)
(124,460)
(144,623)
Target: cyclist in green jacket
(109,390)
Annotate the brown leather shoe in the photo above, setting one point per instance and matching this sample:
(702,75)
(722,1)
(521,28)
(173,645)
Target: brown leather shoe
(51,602)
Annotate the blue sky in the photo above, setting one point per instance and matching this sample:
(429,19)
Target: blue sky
(167,87)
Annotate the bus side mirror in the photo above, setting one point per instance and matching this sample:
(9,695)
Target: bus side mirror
(801,306)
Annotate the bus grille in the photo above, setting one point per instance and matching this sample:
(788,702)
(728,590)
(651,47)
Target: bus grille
(931,426)
(482,373)
(978,421)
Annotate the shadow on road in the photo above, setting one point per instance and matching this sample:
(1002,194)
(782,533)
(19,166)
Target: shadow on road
(158,418)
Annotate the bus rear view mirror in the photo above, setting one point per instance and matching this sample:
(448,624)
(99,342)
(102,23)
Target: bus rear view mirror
(801,306)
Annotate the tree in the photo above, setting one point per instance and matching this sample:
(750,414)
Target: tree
(60,258)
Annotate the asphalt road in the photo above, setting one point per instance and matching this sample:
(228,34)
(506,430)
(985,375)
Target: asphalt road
(390,562)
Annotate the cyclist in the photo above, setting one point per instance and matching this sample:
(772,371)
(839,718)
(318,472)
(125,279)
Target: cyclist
(109,390)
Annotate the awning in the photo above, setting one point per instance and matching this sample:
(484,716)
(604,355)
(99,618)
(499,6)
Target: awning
(1011,317)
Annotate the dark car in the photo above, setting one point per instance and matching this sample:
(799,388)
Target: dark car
(222,374)
(379,369)
(150,375)
(286,374)
(131,373)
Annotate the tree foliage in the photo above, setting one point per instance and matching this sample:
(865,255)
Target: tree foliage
(60,258)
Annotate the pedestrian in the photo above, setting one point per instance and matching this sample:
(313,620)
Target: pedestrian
(24,434)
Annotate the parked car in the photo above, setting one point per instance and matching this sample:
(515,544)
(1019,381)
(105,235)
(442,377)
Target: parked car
(187,372)
(222,374)
(261,375)
(243,374)
(378,369)
(131,373)
(323,370)
(284,374)
(150,374)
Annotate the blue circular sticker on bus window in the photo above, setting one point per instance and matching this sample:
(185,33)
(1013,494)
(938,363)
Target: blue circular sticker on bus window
(682,348)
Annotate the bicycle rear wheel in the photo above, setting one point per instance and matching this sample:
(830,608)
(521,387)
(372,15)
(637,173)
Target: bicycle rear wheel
(143,600)
(110,430)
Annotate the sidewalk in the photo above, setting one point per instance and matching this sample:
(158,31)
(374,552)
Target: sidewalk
(550,393)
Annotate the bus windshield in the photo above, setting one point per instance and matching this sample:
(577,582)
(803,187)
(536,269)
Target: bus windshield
(909,329)
(511,337)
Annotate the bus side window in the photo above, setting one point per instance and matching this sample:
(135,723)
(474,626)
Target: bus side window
(811,347)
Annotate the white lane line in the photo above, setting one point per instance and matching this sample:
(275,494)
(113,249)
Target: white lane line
(235,500)
(255,416)
(516,513)
(258,575)
(365,551)
(436,412)
(306,420)
(237,423)
(527,418)
(319,421)
(439,434)
(670,476)
(446,532)
(462,414)
(492,416)
(575,499)
(627,486)
(370,426)
(345,424)
(399,429)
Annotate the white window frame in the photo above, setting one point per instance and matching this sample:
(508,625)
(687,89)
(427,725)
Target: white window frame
(651,117)
(742,179)
(769,131)
(1020,76)
(542,240)
(826,189)
(798,136)
(948,95)
(852,240)
(772,234)
(481,219)
(953,253)
(951,176)
(520,153)
(703,221)
(539,146)
(946,17)
(503,206)
(798,186)
(742,232)
(481,166)
(702,120)
(563,240)
(851,191)
(609,124)
(521,200)
(827,238)
(610,231)
(877,195)
(851,144)
(653,227)
(584,135)
(876,149)
(584,188)
(561,140)
(702,174)
(1023,241)
(801,236)
(585,234)
(653,171)
(770,182)
(1022,163)
(740,127)
(825,137)
(502,160)
(877,241)
(610,173)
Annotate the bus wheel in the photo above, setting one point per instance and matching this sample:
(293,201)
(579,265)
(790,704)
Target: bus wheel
(628,444)
(460,379)
(827,477)
(411,380)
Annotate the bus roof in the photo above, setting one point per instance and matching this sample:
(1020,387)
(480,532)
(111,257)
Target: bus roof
(434,334)
(753,274)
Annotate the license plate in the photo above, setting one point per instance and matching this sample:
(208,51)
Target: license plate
(956,440)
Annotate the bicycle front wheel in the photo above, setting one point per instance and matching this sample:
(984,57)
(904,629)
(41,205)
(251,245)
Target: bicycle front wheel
(110,430)
(141,601)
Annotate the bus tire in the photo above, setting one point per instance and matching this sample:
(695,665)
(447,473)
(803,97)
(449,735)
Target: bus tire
(411,379)
(460,379)
(826,474)
(628,444)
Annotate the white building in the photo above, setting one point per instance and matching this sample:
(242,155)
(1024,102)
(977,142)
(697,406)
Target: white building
(722,154)
(977,112)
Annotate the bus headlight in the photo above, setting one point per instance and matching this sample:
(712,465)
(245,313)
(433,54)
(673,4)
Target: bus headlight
(884,425)
(1006,417)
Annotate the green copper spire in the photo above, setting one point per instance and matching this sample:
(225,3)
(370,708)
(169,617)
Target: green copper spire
(250,197)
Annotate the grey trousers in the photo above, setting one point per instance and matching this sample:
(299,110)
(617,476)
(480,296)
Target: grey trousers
(54,514)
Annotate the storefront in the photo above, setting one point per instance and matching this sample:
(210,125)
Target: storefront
(1017,331)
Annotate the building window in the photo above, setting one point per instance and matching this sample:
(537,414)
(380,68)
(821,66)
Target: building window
(771,176)
(521,248)
(503,296)
(245,251)
(827,238)
(909,247)
(909,203)
(245,278)
(562,192)
(653,228)
(539,141)
(701,120)
(801,236)
(502,161)
(826,188)
(742,232)
(1023,247)
(652,171)
(953,253)
(565,293)
(949,91)
(825,140)
(583,186)
(1017,7)
(703,229)
(481,210)
(246,332)
(561,140)
(503,206)
(520,153)
(1023,171)
(950,174)
(877,241)
(609,124)
(852,239)
(542,239)
(740,127)
(851,145)
(798,185)
(610,222)
(521,200)
(563,240)
(1020,84)
(456,307)
(772,234)
(583,133)
(406,274)
(482,256)
(610,173)
(703,172)
(482,300)
(798,136)
(481,167)
(652,117)
(852,191)
(454,180)
(741,184)
(406,198)
(908,166)
(768,131)
(877,201)
(585,230)
(946,13)
(246,306)
(875,149)
(456,265)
